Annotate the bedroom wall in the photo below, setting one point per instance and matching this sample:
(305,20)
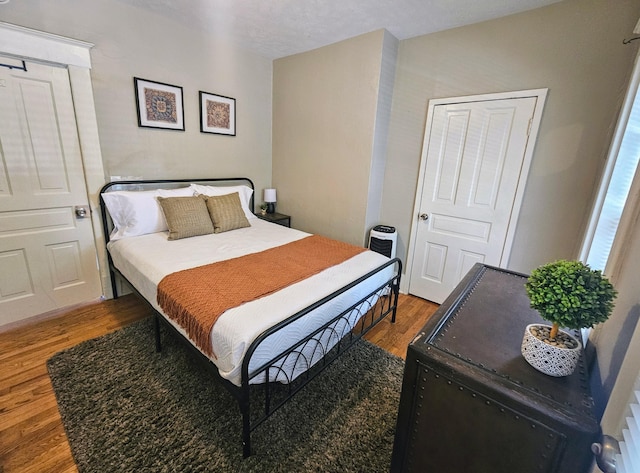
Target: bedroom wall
(328,146)
(575,49)
(327,104)
(128,43)
(381,134)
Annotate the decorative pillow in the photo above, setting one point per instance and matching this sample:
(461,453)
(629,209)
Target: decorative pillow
(137,212)
(186,216)
(245,193)
(226,212)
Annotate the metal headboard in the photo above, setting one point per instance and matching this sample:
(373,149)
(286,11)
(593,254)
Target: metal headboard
(151,184)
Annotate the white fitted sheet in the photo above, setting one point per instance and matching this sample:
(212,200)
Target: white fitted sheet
(144,260)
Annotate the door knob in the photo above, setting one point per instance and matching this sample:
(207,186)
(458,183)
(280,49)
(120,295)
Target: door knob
(424,216)
(81,211)
(605,452)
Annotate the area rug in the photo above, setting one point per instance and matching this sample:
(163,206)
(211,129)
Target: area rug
(126,408)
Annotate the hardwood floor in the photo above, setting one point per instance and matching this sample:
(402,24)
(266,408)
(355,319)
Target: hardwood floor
(32,439)
(412,314)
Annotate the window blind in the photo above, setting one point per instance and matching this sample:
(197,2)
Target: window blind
(624,169)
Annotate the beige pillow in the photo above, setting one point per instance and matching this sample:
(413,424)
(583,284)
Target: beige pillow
(226,212)
(186,216)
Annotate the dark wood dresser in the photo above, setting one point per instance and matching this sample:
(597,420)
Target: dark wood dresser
(471,403)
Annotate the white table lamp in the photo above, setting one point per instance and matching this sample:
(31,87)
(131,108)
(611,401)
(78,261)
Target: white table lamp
(270,199)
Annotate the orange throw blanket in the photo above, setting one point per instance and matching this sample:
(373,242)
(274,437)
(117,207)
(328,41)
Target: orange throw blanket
(196,297)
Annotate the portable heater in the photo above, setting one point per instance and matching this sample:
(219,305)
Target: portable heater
(383,239)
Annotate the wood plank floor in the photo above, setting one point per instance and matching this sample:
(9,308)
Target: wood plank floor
(32,439)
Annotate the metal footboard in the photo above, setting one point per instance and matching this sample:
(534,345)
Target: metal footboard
(288,372)
(259,401)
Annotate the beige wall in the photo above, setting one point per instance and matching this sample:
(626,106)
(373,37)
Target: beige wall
(329,104)
(325,104)
(381,134)
(575,49)
(128,43)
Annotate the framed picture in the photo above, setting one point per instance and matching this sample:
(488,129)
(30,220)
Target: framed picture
(217,114)
(159,105)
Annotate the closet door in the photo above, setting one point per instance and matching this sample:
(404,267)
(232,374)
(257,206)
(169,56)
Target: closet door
(473,170)
(47,251)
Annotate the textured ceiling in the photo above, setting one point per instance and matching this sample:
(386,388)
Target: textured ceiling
(278,28)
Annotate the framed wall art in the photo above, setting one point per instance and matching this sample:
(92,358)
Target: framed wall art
(159,105)
(217,114)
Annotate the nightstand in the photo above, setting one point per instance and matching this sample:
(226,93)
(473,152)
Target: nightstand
(280,219)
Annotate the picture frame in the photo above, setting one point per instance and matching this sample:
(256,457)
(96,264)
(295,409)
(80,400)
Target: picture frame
(159,105)
(217,114)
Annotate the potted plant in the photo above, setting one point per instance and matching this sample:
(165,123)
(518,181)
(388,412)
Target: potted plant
(568,294)
(263,208)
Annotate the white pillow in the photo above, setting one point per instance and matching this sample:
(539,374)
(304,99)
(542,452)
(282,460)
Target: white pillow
(244,191)
(138,212)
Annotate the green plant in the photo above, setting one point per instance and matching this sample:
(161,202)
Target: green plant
(570,294)
(263,206)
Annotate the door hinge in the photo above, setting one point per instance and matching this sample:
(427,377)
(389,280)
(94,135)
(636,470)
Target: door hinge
(13,66)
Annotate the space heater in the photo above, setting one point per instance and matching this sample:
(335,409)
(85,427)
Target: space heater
(383,239)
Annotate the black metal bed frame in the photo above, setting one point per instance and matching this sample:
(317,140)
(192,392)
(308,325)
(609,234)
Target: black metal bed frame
(257,401)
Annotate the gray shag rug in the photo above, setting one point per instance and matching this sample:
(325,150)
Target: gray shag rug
(126,408)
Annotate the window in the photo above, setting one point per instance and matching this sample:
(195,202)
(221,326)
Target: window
(618,176)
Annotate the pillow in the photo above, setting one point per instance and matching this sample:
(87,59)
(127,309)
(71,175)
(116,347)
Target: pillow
(186,216)
(137,212)
(226,212)
(245,193)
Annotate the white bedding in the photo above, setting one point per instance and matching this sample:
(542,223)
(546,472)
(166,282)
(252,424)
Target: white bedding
(144,260)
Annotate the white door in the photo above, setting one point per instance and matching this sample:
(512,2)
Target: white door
(47,251)
(473,165)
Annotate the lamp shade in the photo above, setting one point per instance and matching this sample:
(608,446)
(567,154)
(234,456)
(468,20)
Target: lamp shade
(270,195)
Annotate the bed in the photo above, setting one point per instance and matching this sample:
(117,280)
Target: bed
(265,347)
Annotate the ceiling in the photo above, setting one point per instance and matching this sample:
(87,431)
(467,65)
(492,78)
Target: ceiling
(278,28)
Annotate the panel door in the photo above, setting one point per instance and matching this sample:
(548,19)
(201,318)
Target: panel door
(47,252)
(474,157)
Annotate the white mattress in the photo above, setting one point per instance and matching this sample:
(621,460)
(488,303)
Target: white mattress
(144,260)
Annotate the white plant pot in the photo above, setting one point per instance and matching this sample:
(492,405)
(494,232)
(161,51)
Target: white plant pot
(549,359)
